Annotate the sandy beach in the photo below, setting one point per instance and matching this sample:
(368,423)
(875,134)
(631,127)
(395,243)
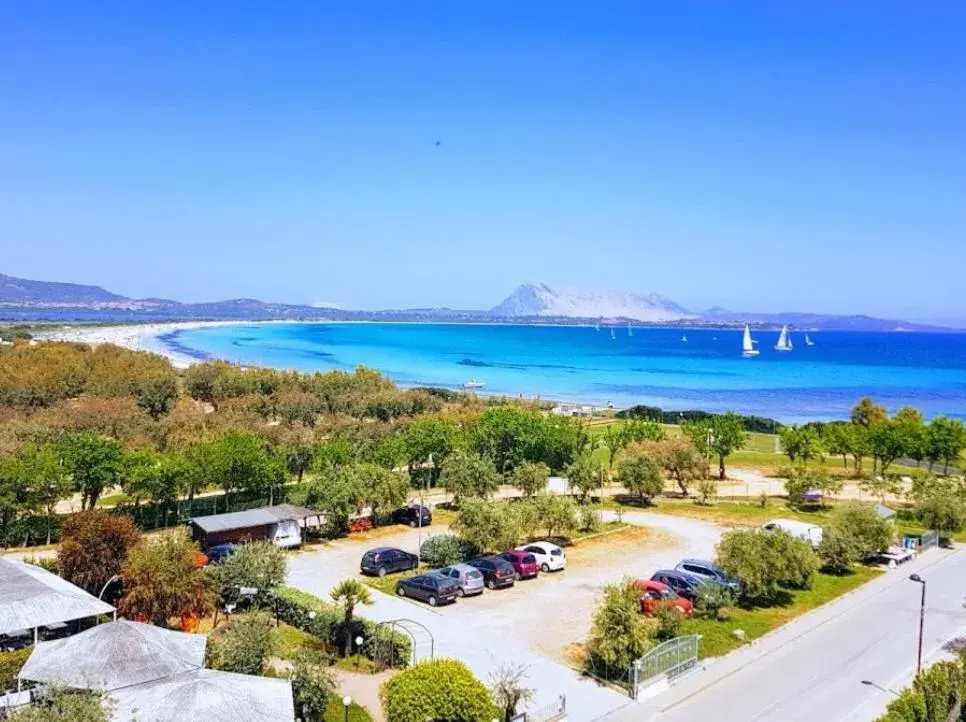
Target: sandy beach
(138,337)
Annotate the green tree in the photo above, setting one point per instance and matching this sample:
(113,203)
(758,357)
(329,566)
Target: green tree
(489,525)
(619,633)
(837,439)
(259,564)
(679,459)
(507,435)
(94,464)
(162,580)
(888,441)
(943,509)
(312,688)
(854,533)
(469,475)
(867,413)
(583,475)
(640,474)
(762,561)
(530,478)
(914,432)
(946,441)
(240,461)
(614,439)
(433,437)
(727,436)
(382,490)
(801,443)
(438,689)
(443,550)
(42,481)
(638,431)
(244,646)
(881,487)
(299,456)
(94,547)
(140,474)
(558,514)
(338,493)
(348,594)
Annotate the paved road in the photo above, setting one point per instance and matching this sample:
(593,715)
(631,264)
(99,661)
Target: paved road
(520,625)
(812,669)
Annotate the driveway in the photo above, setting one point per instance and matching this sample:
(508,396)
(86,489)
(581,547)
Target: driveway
(536,621)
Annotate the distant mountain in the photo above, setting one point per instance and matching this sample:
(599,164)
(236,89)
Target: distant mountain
(805,321)
(537,303)
(19,290)
(539,299)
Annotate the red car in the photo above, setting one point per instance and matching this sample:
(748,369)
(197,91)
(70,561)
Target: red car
(655,595)
(524,563)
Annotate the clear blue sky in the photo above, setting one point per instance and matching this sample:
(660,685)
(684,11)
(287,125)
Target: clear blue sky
(744,154)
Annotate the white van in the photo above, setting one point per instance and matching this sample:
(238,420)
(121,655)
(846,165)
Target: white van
(286,534)
(812,533)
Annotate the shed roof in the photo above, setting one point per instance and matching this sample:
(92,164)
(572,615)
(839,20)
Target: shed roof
(207,694)
(33,597)
(253,517)
(115,655)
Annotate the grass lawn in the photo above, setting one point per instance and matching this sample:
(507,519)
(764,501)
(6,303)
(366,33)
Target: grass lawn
(289,641)
(717,637)
(356,663)
(335,712)
(737,512)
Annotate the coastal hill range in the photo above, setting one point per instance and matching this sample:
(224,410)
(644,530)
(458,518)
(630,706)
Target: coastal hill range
(27,300)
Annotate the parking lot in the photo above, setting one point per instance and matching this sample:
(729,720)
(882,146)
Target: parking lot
(535,622)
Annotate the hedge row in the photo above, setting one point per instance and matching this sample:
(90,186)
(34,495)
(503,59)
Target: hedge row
(295,608)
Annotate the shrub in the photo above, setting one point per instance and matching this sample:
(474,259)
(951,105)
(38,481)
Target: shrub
(669,622)
(443,550)
(363,523)
(441,689)
(10,665)
(244,646)
(558,514)
(795,559)
(312,688)
(310,614)
(640,474)
(838,550)
(942,510)
(620,633)
(67,706)
(94,547)
(711,601)
(489,525)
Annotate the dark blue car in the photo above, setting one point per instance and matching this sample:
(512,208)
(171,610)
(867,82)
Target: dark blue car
(220,552)
(709,571)
(684,584)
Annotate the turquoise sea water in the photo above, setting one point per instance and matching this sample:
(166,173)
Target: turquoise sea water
(651,366)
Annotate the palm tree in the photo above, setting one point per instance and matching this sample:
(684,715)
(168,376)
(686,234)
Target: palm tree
(347,594)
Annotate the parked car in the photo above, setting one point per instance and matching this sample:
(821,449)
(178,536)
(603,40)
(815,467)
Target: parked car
(497,572)
(524,564)
(708,571)
(410,515)
(470,579)
(550,557)
(812,533)
(686,585)
(220,552)
(432,588)
(655,595)
(385,560)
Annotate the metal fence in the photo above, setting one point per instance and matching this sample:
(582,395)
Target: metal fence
(548,713)
(668,660)
(929,540)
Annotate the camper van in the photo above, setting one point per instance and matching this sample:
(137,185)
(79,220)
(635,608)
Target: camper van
(812,533)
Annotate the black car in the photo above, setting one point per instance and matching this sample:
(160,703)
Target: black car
(385,560)
(686,585)
(497,572)
(430,588)
(411,514)
(220,552)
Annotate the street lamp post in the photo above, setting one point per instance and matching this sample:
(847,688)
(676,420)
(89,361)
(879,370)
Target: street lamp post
(346,701)
(419,514)
(922,618)
(359,641)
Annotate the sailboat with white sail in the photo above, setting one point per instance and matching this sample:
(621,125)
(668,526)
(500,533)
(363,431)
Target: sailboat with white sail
(630,331)
(597,325)
(684,338)
(613,336)
(748,349)
(784,342)
(808,341)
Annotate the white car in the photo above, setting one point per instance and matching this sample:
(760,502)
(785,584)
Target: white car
(812,533)
(550,557)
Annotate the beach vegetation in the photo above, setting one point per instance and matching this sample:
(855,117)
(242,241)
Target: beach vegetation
(470,475)
(640,474)
(94,548)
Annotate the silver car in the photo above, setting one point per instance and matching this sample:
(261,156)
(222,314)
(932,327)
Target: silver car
(469,578)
